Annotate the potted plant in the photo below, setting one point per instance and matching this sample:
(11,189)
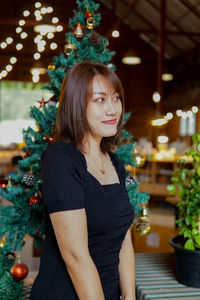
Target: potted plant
(186,184)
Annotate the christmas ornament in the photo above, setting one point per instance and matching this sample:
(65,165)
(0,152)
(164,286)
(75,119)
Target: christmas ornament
(69,48)
(49,138)
(90,23)
(78,31)
(29,179)
(51,67)
(34,200)
(138,159)
(42,102)
(143,226)
(37,231)
(94,39)
(53,101)
(88,14)
(3,183)
(2,243)
(131,180)
(28,153)
(19,271)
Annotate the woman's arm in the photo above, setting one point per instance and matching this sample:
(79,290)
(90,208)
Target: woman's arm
(127,268)
(71,232)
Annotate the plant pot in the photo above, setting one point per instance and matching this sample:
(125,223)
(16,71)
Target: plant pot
(187,263)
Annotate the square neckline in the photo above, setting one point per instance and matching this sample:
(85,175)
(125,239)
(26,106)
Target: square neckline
(103,185)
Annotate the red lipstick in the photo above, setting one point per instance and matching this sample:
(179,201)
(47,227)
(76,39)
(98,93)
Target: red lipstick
(111,122)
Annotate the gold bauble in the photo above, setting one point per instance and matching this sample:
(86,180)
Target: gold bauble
(69,48)
(90,23)
(138,159)
(51,67)
(2,243)
(143,226)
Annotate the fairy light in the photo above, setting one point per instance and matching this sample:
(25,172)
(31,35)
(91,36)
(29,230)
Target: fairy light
(26,13)
(18,29)
(4,73)
(195,109)
(0,76)
(50,35)
(53,46)
(24,35)
(169,115)
(115,33)
(38,4)
(9,40)
(38,38)
(43,10)
(3,45)
(55,20)
(13,60)
(36,56)
(49,9)
(59,28)
(19,46)
(9,68)
(37,13)
(21,23)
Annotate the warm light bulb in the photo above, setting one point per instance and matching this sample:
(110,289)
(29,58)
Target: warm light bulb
(115,33)
(156,97)
(59,28)
(169,115)
(4,73)
(163,139)
(189,113)
(50,35)
(13,60)
(9,40)
(21,23)
(53,46)
(35,78)
(184,115)
(49,9)
(40,48)
(37,4)
(3,45)
(167,77)
(179,113)
(54,20)
(9,68)
(37,38)
(36,55)
(37,12)
(195,109)
(43,10)
(26,13)
(38,18)
(24,35)
(19,46)
(18,29)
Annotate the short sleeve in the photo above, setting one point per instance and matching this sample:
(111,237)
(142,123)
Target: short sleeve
(62,184)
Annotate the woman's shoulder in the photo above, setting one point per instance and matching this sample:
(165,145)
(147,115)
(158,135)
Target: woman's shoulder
(62,151)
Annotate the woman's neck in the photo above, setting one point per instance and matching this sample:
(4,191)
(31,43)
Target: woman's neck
(92,146)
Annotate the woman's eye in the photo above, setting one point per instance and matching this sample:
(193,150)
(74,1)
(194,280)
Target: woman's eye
(117,98)
(100,100)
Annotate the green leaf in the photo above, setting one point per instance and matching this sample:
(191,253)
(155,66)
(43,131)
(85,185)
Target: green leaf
(188,220)
(198,170)
(197,240)
(171,188)
(198,147)
(189,245)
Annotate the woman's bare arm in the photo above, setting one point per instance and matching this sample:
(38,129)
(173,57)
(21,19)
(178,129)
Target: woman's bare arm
(71,232)
(127,269)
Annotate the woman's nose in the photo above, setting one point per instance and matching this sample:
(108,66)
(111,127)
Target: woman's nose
(110,107)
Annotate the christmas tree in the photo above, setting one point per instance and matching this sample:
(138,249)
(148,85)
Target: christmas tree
(25,215)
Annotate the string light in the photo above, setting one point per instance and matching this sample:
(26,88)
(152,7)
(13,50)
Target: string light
(53,46)
(115,33)
(9,68)
(4,73)
(19,46)
(24,35)
(169,116)
(38,4)
(36,56)
(50,35)
(49,9)
(18,29)
(195,109)
(43,10)
(54,20)
(156,97)
(13,60)
(3,45)
(9,40)
(21,23)
(59,28)
(26,13)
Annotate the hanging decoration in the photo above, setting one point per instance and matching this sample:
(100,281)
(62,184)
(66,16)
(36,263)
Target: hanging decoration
(78,31)
(34,200)
(19,271)
(3,183)
(42,102)
(51,67)
(29,178)
(143,226)
(94,39)
(69,48)
(3,241)
(90,23)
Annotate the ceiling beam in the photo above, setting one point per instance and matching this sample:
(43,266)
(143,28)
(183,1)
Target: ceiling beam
(191,8)
(174,24)
(122,16)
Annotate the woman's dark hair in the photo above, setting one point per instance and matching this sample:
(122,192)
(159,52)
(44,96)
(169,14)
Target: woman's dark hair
(71,122)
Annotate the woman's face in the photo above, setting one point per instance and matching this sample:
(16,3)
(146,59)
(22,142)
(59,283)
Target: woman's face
(104,108)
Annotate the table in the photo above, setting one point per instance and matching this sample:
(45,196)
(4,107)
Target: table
(156,279)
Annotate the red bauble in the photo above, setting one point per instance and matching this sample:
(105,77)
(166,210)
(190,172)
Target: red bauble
(88,14)
(38,231)
(19,271)
(3,183)
(33,200)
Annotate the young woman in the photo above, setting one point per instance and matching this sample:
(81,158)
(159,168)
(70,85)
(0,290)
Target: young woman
(88,252)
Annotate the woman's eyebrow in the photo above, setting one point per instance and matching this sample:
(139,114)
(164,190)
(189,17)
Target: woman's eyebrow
(103,93)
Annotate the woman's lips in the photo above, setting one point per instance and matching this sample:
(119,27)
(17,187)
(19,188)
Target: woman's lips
(111,122)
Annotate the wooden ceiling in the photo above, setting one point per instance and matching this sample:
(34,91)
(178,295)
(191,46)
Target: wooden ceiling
(163,32)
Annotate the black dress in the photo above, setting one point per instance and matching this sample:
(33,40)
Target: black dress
(67,185)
